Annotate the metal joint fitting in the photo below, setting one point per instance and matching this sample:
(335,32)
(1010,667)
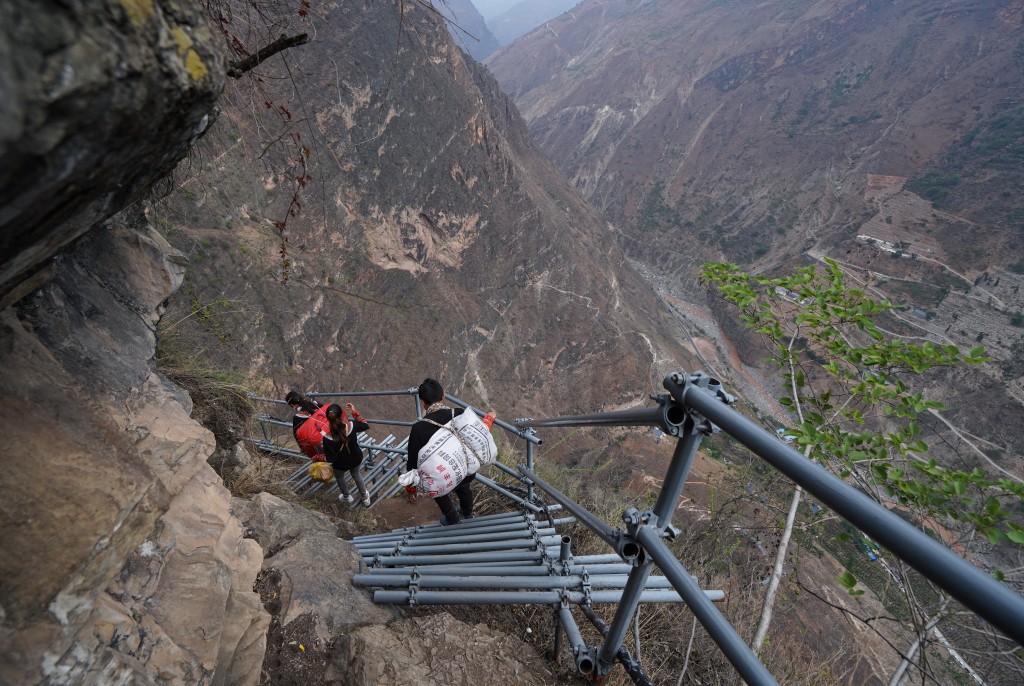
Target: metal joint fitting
(671,532)
(586,587)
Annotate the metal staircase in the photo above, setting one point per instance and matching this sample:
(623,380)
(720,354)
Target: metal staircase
(522,556)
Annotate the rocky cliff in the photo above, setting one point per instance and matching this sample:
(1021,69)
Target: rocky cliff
(433,237)
(122,562)
(443,244)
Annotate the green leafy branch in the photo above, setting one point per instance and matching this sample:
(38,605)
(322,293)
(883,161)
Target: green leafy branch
(814,322)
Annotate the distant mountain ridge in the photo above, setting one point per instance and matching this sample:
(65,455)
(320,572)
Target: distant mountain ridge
(468,28)
(526,15)
(887,136)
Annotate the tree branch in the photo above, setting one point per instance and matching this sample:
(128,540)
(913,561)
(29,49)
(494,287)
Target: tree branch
(236,69)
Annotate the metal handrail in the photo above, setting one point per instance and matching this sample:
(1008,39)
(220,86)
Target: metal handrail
(695,406)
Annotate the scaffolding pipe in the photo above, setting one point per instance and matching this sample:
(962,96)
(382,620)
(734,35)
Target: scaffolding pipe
(993,601)
(608,534)
(530,495)
(717,626)
(580,651)
(482,522)
(414,541)
(360,394)
(509,570)
(387,422)
(497,526)
(508,494)
(668,500)
(666,416)
(418,541)
(417,597)
(628,662)
(410,560)
(528,583)
(459,548)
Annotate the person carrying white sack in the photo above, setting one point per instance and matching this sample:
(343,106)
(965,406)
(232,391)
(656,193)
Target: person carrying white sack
(463,465)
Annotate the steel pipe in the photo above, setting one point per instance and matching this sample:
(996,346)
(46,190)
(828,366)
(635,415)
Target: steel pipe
(665,416)
(508,494)
(628,662)
(513,597)
(531,583)
(410,560)
(361,394)
(459,548)
(608,534)
(417,542)
(580,651)
(991,600)
(507,570)
(717,626)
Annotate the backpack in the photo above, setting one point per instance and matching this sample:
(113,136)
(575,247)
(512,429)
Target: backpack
(309,437)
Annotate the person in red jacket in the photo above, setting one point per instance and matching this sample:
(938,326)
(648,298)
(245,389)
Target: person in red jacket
(341,447)
(304,409)
(431,395)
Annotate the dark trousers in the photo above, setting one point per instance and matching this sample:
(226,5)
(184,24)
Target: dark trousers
(465,496)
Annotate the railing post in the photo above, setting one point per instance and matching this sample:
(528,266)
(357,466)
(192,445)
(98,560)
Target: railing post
(675,479)
(530,495)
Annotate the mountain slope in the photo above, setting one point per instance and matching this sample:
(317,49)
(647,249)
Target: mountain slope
(776,134)
(434,238)
(699,119)
(468,28)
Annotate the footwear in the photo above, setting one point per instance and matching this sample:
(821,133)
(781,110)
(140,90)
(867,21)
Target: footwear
(345,498)
(444,521)
(458,509)
(366,499)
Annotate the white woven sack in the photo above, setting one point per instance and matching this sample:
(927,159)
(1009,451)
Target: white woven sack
(456,450)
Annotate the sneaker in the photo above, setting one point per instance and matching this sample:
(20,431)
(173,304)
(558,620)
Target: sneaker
(458,509)
(444,521)
(366,499)
(345,498)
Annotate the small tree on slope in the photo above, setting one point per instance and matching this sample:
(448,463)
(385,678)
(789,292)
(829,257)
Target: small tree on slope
(856,414)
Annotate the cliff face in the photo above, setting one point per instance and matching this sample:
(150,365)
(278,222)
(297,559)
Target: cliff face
(434,238)
(442,244)
(122,562)
(143,75)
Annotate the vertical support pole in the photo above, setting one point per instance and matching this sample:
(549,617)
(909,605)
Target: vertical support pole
(675,479)
(530,495)
(557,650)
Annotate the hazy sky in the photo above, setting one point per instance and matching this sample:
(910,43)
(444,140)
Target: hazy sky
(492,8)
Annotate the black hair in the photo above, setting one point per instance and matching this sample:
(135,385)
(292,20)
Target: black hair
(430,391)
(336,418)
(295,398)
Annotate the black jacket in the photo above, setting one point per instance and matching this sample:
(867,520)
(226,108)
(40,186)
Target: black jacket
(346,454)
(421,432)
